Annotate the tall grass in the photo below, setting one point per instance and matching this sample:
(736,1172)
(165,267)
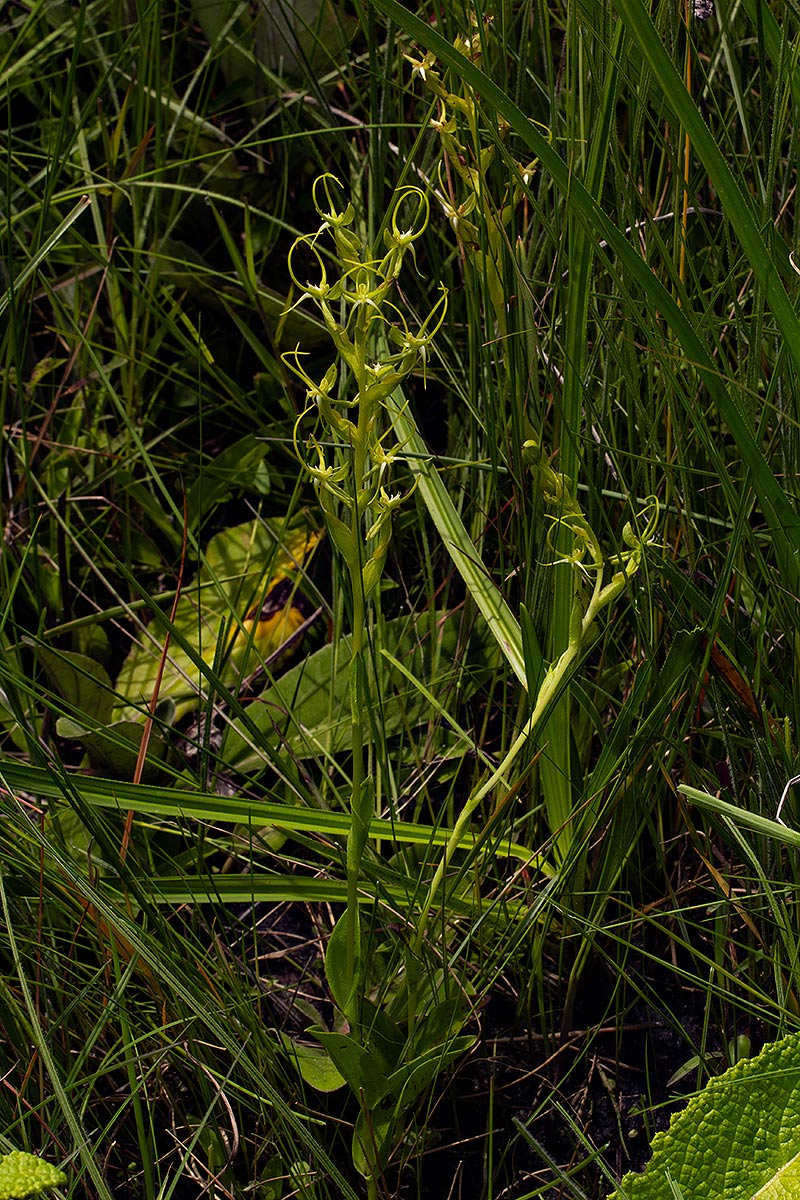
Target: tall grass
(556,942)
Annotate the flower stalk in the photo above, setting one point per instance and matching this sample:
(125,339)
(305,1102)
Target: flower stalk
(588,564)
(479,217)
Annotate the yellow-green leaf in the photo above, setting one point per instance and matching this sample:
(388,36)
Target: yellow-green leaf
(240,608)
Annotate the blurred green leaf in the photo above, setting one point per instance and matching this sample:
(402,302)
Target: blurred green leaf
(239,468)
(115,748)
(23,1175)
(298,38)
(410,1080)
(82,682)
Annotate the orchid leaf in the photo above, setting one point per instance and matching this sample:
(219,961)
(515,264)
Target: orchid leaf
(82,683)
(314,1065)
(361,1066)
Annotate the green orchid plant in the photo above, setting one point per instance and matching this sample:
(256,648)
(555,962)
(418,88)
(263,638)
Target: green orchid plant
(341,439)
(593,593)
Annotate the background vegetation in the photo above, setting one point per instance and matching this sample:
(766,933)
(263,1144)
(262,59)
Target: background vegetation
(539,983)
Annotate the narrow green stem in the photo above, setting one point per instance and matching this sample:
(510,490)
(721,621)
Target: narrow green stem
(356,838)
(359,818)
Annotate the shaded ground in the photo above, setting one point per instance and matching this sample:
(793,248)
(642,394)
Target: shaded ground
(539,1108)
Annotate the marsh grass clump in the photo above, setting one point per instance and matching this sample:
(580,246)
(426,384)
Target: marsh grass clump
(504,808)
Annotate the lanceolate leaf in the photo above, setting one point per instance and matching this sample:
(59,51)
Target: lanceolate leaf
(735,817)
(739,1139)
(308,708)
(502,623)
(41,254)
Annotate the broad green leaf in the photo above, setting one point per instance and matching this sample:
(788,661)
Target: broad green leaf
(410,1080)
(300,36)
(340,979)
(233,471)
(65,825)
(786,1185)
(237,611)
(314,1065)
(444,1020)
(738,1139)
(373,1136)
(380,1031)
(272,1179)
(115,748)
(308,708)
(84,685)
(363,1067)
(232,38)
